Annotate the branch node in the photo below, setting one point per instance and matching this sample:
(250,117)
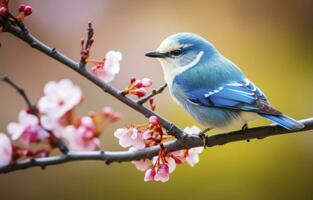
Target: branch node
(54,51)
(82,66)
(171,127)
(62,147)
(102,154)
(122,93)
(33,44)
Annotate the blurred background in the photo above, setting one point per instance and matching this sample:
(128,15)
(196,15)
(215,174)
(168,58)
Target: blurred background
(270,40)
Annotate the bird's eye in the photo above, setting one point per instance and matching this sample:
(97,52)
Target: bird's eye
(177,52)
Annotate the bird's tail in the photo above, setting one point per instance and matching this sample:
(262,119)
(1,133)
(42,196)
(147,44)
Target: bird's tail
(285,121)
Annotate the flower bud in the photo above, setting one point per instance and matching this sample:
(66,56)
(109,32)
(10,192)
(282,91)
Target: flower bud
(21,8)
(138,84)
(149,175)
(82,42)
(151,100)
(140,92)
(3,11)
(153,107)
(92,114)
(107,112)
(115,116)
(132,79)
(28,10)
(91,41)
(154,120)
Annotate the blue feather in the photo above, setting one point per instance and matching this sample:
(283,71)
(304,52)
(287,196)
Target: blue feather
(220,101)
(285,121)
(236,95)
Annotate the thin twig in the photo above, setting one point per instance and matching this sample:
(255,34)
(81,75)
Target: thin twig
(188,142)
(86,50)
(89,34)
(21,91)
(153,93)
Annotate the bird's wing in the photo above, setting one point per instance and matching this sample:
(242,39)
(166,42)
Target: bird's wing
(240,95)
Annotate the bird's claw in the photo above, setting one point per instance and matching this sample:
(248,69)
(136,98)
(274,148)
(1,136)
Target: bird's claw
(244,129)
(202,136)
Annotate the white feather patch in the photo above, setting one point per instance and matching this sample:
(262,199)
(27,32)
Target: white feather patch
(170,72)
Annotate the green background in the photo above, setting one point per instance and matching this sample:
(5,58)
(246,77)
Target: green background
(270,40)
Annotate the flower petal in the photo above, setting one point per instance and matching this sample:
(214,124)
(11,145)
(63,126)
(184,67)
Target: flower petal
(5,150)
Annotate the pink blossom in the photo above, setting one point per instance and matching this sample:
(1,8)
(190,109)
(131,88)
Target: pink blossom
(87,123)
(27,129)
(142,164)
(59,98)
(192,157)
(149,175)
(171,164)
(124,136)
(5,150)
(169,161)
(162,173)
(193,154)
(110,68)
(179,156)
(82,137)
(154,121)
(147,134)
(130,137)
(146,82)
(52,123)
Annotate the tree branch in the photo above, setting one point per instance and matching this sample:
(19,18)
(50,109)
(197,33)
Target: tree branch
(189,141)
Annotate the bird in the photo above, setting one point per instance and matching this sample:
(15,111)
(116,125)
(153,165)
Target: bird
(211,88)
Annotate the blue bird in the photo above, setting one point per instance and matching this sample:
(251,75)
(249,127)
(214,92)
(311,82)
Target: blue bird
(211,88)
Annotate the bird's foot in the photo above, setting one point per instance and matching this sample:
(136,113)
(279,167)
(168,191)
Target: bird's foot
(202,136)
(244,129)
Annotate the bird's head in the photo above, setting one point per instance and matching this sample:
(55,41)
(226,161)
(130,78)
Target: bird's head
(182,50)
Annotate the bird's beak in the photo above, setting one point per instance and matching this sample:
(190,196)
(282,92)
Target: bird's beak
(155,54)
